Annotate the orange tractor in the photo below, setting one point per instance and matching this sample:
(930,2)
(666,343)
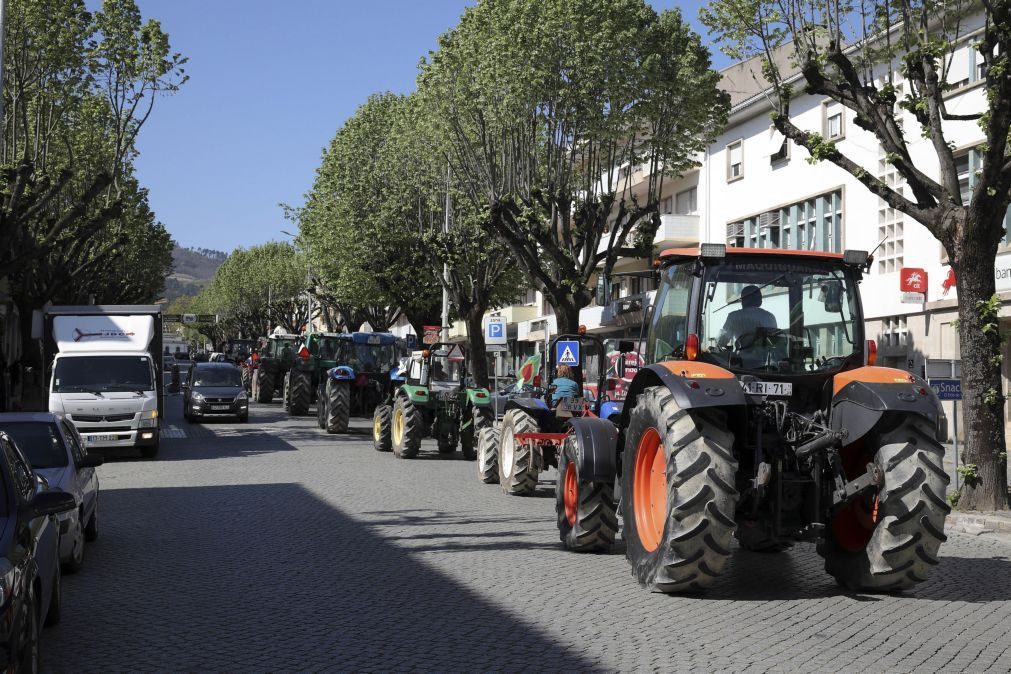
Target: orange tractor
(759,414)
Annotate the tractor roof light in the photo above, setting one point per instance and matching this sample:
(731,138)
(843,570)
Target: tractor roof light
(872,352)
(582,329)
(855,257)
(713,251)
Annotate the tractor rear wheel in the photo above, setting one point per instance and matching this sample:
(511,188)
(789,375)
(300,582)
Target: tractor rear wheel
(338,405)
(300,393)
(586,511)
(888,542)
(479,418)
(264,385)
(408,428)
(286,391)
(517,463)
(247,378)
(487,454)
(678,495)
(382,428)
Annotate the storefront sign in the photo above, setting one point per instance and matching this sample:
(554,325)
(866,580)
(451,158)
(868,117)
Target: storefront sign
(432,334)
(912,280)
(947,389)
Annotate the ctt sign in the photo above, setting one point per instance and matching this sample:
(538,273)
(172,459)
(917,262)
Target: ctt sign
(912,280)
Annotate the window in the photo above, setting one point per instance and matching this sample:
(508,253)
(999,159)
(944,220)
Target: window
(687,202)
(670,319)
(891,223)
(833,121)
(968,165)
(39,441)
(735,160)
(895,332)
(779,146)
(667,206)
(24,478)
(75,442)
(812,224)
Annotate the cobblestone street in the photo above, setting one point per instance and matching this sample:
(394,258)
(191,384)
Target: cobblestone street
(271,546)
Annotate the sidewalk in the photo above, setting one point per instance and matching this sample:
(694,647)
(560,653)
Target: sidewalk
(974,523)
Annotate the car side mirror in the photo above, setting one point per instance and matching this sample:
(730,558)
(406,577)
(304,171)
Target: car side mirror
(91,461)
(49,503)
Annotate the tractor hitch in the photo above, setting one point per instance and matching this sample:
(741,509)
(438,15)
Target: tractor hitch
(871,480)
(827,440)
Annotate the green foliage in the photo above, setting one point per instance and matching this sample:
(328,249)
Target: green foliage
(969,473)
(953,498)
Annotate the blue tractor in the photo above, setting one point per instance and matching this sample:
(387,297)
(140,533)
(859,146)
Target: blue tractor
(359,381)
(533,429)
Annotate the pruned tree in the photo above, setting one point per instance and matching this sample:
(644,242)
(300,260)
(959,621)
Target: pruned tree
(549,108)
(859,55)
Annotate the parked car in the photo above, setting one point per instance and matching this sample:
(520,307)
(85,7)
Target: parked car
(215,389)
(30,579)
(55,451)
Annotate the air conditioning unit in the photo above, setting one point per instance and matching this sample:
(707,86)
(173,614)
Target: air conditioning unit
(735,233)
(768,219)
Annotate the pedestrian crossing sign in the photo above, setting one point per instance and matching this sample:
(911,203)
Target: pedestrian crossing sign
(567,352)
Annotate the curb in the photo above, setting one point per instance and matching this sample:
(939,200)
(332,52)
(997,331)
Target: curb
(978,523)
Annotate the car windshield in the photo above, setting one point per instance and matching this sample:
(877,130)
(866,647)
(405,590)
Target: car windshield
(97,374)
(778,316)
(217,376)
(39,441)
(327,348)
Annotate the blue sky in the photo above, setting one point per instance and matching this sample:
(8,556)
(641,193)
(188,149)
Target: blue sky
(270,83)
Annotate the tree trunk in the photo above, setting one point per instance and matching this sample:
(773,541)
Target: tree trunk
(478,357)
(566,314)
(981,380)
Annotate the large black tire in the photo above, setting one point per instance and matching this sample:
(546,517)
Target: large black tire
(300,393)
(903,538)
(586,511)
(487,454)
(247,379)
(408,428)
(480,417)
(677,524)
(28,644)
(55,613)
(321,406)
(76,561)
(286,391)
(91,531)
(382,428)
(264,385)
(518,464)
(338,405)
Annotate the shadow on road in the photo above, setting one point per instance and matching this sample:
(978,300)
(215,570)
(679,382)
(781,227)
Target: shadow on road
(313,589)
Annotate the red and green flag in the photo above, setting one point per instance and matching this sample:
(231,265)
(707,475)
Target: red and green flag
(530,369)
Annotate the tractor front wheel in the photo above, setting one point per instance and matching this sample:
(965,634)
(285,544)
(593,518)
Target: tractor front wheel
(286,392)
(408,428)
(480,417)
(321,407)
(338,405)
(678,496)
(300,393)
(382,428)
(264,385)
(487,454)
(586,512)
(888,541)
(517,461)
(247,379)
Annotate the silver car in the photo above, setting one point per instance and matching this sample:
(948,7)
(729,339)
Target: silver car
(54,448)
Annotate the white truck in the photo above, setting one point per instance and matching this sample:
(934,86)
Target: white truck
(106,372)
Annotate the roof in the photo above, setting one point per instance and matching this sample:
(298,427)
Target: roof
(694,252)
(44,417)
(385,338)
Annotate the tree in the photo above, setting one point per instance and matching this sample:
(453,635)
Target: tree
(547,108)
(857,56)
(368,257)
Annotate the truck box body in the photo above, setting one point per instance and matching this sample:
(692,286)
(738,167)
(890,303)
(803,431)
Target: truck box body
(105,372)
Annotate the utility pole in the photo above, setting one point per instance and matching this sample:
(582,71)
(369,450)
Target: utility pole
(445,267)
(3,34)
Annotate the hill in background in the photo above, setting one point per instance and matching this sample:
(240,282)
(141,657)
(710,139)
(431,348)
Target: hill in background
(193,269)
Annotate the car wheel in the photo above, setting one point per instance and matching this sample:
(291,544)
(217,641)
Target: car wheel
(91,531)
(55,599)
(243,418)
(76,561)
(28,639)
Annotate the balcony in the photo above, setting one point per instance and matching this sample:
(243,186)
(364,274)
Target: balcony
(677,231)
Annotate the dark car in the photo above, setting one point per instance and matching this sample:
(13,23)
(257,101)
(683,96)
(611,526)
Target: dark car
(214,389)
(29,558)
(55,451)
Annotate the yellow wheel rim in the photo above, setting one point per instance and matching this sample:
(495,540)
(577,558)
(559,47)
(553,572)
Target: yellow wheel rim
(398,426)
(376,425)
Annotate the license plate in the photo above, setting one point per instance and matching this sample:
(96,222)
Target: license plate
(220,407)
(375,339)
(768,388)
(101,438)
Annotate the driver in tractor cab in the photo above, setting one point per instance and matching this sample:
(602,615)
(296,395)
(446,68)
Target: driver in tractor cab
(564,385)
(740,331)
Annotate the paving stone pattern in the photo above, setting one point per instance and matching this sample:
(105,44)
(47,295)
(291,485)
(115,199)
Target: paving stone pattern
(270,546)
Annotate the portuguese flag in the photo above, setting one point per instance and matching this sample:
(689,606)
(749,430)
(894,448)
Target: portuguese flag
(529,369)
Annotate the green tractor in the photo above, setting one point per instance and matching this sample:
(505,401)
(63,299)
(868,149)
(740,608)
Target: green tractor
(316,356)
(433,400)
(276,359)
(359,382)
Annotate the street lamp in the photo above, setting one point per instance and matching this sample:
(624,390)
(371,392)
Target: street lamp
(308,280)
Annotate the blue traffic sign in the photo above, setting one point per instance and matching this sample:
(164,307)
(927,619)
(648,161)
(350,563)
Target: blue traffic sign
(412,341)
(947,389)
(495,330)
(567,352)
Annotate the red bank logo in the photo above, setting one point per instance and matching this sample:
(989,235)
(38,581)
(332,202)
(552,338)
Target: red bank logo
(912,280)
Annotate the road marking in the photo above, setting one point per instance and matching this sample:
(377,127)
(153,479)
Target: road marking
(173,433)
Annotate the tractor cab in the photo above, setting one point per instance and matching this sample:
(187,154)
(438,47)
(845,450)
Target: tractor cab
(441,367)
(370,353)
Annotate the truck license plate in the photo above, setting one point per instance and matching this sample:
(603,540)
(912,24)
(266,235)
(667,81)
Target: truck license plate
(92,439)
(217,408)
(768,388)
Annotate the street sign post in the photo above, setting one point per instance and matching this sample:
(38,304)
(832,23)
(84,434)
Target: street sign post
(412,341)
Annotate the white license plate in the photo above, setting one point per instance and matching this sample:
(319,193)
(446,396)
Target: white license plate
(217,408)
(101,438)
(768,388)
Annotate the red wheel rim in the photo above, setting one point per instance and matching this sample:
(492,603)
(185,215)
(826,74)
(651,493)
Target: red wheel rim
(570,493)
(855,524)
(649,490)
